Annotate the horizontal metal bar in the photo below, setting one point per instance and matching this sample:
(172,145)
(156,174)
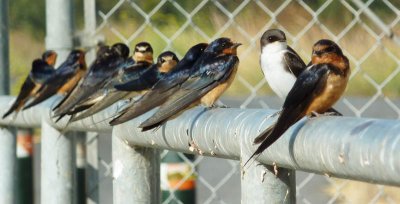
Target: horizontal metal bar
(354,148)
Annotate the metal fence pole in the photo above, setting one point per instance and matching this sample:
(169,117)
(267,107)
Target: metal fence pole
(4,48)
(57,166)
(57,149)
(59,27)
(92,154)
(7,139)
(80,171)
(267,184)
(92,168)
(7,170)
(136,173)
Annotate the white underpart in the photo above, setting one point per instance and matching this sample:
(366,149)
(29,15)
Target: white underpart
(273,66)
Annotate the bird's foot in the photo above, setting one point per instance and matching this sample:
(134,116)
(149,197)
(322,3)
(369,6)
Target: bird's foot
(274,114)
(315,114)
(214,106)
(333,113)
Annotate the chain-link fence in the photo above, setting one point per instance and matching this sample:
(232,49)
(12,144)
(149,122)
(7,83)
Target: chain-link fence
(368,32)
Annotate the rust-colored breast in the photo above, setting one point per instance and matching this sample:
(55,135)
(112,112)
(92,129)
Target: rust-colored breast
(67,87)
(335,86)
(209,99)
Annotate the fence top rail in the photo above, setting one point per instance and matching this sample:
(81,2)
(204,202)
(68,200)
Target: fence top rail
(354,148)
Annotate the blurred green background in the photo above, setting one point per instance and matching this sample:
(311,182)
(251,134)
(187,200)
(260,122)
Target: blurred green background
(27,23)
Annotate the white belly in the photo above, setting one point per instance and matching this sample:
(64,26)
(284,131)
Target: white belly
(272,64)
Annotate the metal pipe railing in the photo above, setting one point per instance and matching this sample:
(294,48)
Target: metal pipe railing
(353,148)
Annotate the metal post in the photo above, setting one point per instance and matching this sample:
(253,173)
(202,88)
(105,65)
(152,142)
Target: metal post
(24,165)
(136,173)
(267,184)
(59,27)
(80,171)
(57,166)
(7,139)
(7,170)
(57,148)
(92,154)
(90,28)
(92,168)
(4,48)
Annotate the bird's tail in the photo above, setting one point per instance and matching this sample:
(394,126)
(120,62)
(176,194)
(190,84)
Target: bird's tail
(261,137)
(12,109)
(287,118)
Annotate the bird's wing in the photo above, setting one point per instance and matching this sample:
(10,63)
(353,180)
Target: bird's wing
(97,78)
(294,62)
(308,85)
(211,74)
(53,84)
(157,95)
(25,92)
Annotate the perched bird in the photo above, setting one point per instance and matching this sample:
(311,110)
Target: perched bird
(164,88)
(102,69)
(314,92)
(217,68)
(42,69)
(64,79)
(280,64)
(139,79)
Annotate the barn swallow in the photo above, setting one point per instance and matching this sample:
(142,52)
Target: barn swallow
(64,79)
(217,68)
(141,60)
(140,79)
(42,69)
(103,68)
(164,88)
(315,91)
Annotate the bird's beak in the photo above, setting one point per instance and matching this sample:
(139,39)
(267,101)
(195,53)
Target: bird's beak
(235,45)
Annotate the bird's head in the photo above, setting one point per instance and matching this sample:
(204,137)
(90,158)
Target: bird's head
(326,51)
(272,36)
(121,49)
(223,46)
(195,52)
(50,57)
(167,61)
(143,52)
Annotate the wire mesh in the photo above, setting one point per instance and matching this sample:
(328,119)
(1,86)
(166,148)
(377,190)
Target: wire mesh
(368,32)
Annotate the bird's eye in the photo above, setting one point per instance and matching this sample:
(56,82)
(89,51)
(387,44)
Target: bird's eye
(162,60)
